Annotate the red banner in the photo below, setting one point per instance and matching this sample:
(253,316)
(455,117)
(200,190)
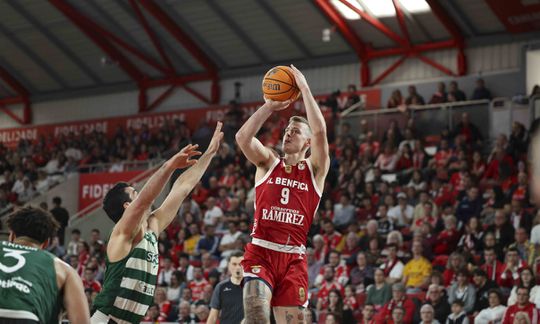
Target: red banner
(94,186)
(192,117)
(518,16)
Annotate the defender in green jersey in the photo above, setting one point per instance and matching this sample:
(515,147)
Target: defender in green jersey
(35,284)
(132,252)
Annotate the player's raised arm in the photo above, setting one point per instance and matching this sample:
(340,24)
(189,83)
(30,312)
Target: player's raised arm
(129,224)
(320,157)
(253,149)
(186,182)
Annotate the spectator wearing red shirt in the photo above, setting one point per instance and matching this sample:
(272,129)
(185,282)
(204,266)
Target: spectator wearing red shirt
(510,274)
(456,263)
(369,145)
(440,96)
(331,237)
(153,315)
(199,194)
(448,238)
(329,283)
(468,130)
(89,280)
(398,299)
(319,248)
(368,314)
(478,166)
(520,191)
(197,284)
(522,305)
(500,159)
(341,273)
(160,299)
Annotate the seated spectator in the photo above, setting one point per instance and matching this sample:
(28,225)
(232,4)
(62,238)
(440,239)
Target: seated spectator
(331,237)
(339,267)
(209,265)
(436,298)
(197,284)
(89,280)
(350,248)
(174,290)
(416,272)
(535,232)
(153,315)
(335,305)
(481,92)
(519,217)
(387,160)
(522,305)
(519,191)
(214,214)
(440,96)
(401,214)
(414,98)
(209,242)
(517,145)
(513,266)
(458,314)
(368,314)
(501,229)
(526,250)
(427,315)
(185,315)
(491,265)
(344,212)
(160,299)
(483,286)
(400,299)
(478,166)
(166,271)
(398,315)
(469,206)
(396,99)
(190,244)
(526,279)
(417,182)
(380,292)
(384,224)
(447,240)
(463,290)
(455,94)
(495,312)
(471,240)
(227,242)
(393,267)
(456,262)
(328,284)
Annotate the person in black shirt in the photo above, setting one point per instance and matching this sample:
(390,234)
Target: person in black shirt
(483,286)
(227,302)
(62,216)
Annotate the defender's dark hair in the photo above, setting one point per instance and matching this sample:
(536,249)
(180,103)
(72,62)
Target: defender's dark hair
(236,254)
(113,203)
(34,223)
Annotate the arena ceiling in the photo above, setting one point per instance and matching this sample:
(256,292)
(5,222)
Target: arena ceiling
(64,48)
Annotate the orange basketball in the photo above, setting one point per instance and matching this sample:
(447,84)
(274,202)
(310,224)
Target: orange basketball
(279,84)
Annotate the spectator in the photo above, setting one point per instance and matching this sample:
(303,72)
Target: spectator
(491,265)
(401,214)
(463,290)
(456,262)
(519,217)
(380,292)
(522,305)
(174,290)
(396,99)
(73,245)
(481,92)
(440,96)
(214,214)
(469,206)
(352,96)
(62,216)
(427,315)
(153,315)
(526,250)
(185,315)
(331,237)
(344,212)
(526,279)
(227,242)
(416,272)
(329,284)
(483,286)
(334,305)
(398,299)
(414,98)
(495,312)
(385,225)
(435,297)
(514,265)
(535,232)
(164,305)
(209,242)
(501,229)
(455,94)
(89,280)
(447,240)
(368,314)
(398,315)
(387,160)
(166,272)
(197,284)
(393,267)
(314,267)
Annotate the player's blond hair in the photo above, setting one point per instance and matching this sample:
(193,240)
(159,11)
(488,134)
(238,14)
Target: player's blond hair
(300,119)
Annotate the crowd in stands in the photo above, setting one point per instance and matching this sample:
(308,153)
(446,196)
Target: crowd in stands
(454,238)
(35,167)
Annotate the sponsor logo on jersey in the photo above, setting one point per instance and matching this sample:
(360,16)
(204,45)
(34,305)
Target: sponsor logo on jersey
(301,166)
(283,215)
(18,283)
(256,268)
(227,289)
(288,183)
(301,293)
(152,258)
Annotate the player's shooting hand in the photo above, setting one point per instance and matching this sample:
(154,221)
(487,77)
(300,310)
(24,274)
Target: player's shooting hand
(216,139)
(183,159)
(277,105)
(300,79)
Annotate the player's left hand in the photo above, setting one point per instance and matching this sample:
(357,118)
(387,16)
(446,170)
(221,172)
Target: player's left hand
(300,79)
(216,139)
(183,159)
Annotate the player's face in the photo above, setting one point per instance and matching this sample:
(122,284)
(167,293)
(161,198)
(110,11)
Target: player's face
(235,269)
(295,138)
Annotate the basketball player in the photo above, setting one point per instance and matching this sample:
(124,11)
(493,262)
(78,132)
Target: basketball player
(35,284)
(287,193)
(226,303)
(132,252)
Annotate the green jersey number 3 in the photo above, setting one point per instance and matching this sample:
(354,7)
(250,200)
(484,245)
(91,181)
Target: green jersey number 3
(15,254)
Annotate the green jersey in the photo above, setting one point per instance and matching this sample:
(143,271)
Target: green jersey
(28,288)
(129,284)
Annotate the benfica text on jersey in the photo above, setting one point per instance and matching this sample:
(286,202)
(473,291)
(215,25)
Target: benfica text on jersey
(286,200)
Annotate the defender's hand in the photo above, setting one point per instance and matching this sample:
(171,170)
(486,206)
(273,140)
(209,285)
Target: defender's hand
(216,139)
(183,159)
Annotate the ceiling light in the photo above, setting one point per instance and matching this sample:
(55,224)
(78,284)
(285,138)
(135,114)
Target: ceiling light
(415,6)
(345,11)
(380,8)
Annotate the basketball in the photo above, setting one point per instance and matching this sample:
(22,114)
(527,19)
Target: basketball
(279,84)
